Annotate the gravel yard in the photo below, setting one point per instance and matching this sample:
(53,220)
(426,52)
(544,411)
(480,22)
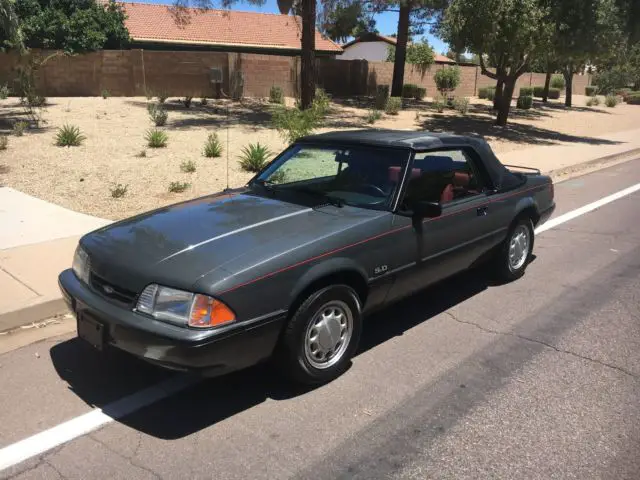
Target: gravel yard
(81,178)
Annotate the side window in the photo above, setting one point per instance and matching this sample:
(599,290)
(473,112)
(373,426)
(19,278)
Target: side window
(442,176)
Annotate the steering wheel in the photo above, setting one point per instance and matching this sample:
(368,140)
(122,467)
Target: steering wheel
(378,192)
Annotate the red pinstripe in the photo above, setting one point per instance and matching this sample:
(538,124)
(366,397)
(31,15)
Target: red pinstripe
(375,237)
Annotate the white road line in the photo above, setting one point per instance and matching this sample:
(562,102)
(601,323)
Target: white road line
(76,427)
(554,222)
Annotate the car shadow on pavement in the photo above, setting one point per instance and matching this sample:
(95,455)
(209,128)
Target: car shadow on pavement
(100,379)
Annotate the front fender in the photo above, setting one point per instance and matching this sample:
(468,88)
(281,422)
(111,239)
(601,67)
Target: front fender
(330,266)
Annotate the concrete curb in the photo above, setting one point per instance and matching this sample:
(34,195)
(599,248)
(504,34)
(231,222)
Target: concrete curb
(48,308)
(32,314)
(601,162)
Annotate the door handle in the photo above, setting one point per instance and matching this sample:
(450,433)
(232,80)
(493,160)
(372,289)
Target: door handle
(482,211)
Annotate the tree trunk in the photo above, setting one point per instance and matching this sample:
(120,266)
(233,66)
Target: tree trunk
(505,101)
(308,58)
(547,82)
(498,96)
(568,80)
(401,49)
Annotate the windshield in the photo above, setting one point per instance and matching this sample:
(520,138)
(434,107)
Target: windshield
(360,176)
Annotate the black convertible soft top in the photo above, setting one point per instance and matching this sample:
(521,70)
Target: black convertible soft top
(502,178)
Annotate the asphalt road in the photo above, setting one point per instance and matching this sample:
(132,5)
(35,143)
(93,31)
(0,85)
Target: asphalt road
(536,379)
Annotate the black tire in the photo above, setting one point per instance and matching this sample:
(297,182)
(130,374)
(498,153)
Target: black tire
(502,266)
(291,357)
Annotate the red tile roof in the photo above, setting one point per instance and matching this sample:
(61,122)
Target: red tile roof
(157,23)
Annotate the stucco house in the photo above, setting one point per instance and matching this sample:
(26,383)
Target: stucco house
(373,48)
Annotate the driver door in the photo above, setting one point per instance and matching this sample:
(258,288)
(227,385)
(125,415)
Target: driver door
(432,249)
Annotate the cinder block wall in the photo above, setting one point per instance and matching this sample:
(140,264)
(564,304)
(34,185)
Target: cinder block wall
(135,72)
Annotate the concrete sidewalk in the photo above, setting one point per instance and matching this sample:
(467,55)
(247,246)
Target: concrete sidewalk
(38,239)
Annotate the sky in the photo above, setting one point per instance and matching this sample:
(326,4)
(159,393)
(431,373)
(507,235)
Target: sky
(386,23)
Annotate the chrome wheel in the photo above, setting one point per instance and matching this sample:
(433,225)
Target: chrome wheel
(328,335)
(519,247)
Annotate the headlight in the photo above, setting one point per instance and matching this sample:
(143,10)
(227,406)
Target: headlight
(81,265)
(183,308)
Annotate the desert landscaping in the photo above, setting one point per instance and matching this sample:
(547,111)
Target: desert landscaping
(113,173)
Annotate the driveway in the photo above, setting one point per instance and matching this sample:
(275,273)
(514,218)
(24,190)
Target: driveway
(536,379)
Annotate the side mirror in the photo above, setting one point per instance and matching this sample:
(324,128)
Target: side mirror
(426,209)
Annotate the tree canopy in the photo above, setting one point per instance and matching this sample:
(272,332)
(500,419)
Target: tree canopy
(71,25)
(509,32)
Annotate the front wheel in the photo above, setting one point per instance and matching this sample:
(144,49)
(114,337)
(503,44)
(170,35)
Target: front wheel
(514,255)
(322,336)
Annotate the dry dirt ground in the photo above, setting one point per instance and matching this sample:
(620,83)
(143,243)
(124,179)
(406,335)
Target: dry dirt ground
(81,178)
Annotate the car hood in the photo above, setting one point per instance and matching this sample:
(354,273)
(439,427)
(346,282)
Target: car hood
(178,244)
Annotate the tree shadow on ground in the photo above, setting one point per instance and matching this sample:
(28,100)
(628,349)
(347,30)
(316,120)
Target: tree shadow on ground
(215,114)
(560,107)
(484,125)
(101,379)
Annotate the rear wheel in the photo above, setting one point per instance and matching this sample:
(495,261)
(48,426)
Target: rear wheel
(514,254)
(322,336)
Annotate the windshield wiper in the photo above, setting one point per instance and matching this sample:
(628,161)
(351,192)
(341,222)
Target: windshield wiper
(266,184)
(335,201)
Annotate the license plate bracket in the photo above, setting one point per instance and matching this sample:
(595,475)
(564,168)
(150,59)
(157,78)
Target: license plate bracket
(90,330)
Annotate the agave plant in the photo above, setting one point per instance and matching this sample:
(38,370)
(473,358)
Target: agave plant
(156,138)
(254,157)
(69,136)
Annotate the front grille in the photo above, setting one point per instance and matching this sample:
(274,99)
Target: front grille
(111,291)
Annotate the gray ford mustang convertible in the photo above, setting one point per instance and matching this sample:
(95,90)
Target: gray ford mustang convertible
(336,226)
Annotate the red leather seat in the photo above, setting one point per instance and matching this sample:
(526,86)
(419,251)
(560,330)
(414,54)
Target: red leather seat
(447,194)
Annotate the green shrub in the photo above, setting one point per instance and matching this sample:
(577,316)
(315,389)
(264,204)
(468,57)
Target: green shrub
(439,103)
(105,94)
(461,105)
(293,123)
(69,136)
(162,97)
(382,93)
(421,92)
(491,93)
(409,90)
(321,103)
(593,101)
(447,79)
(623,93)
(373,116)
(557,81)
(4,142)
(526,92)
(254,157)
(4,91)
(611,101)
(19,128)
(633,98)
(483,92)
(524,102)
(393,106)
(178,187)
(212,147)
(276,95)
(157,114)
(156,138)
(119,190)
(538,92)
(554,93)
(187,100)
(591,90)
(188,167)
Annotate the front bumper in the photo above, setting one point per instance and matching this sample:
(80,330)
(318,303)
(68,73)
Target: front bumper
(202,351)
